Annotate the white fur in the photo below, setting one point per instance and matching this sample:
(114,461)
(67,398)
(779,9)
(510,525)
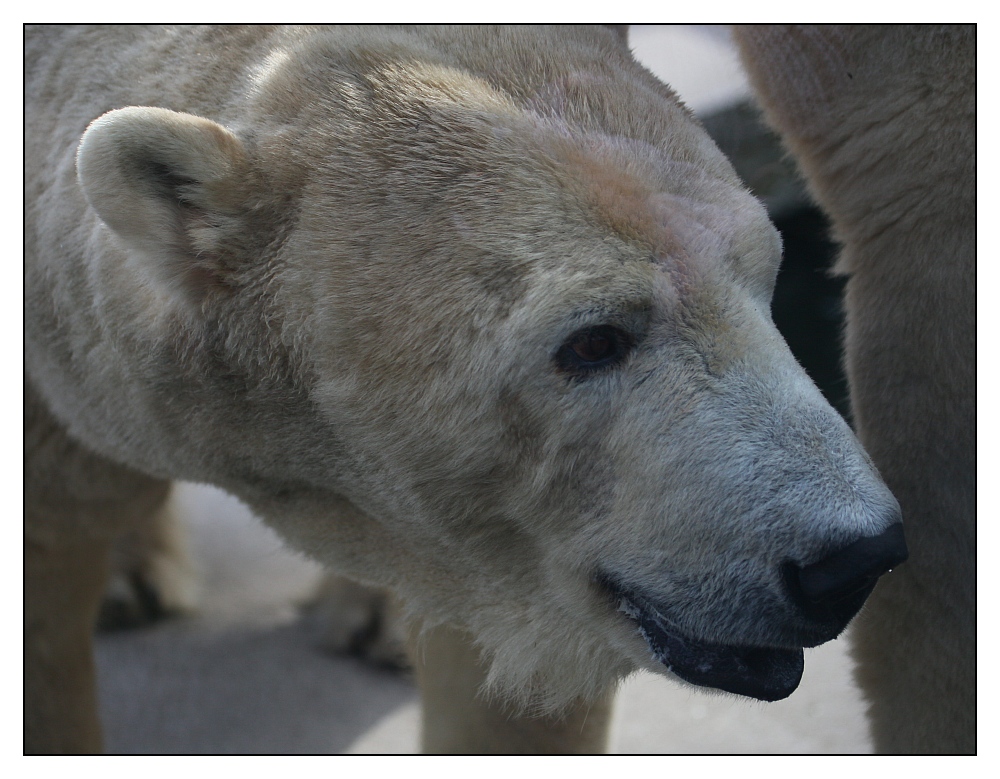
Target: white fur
(343,299)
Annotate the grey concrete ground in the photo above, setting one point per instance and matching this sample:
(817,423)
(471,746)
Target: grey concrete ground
(245,675)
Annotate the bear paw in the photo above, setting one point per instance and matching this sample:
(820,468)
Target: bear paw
(152,575)
(353,619)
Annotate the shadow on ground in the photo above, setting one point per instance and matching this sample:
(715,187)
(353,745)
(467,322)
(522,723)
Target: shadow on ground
(256,690)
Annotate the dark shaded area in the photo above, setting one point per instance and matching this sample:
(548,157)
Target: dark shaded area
(807,305)
(138,605)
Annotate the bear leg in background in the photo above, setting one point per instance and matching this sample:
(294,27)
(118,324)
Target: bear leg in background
(63,583)
(882,123)
(458,720)
(74,504)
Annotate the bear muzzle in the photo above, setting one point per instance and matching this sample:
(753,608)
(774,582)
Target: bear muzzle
(825,594)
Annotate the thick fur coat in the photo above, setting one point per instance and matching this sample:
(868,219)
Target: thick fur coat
(480,315)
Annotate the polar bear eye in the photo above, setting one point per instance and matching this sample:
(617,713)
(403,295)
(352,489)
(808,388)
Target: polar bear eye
(592,349)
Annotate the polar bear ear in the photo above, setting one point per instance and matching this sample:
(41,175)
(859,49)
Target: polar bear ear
(172,187)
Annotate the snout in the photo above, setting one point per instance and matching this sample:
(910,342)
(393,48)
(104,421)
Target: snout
(825,593)
(830,591)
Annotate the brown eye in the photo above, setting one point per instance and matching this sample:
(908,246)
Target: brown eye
(594,345)
(593,348)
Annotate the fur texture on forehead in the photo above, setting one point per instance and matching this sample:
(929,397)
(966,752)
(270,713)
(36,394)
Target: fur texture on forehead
(451,143)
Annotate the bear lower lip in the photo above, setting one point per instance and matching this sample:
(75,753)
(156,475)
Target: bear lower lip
(762,673)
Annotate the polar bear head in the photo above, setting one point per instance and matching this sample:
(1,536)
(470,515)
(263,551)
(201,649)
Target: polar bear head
(500,340)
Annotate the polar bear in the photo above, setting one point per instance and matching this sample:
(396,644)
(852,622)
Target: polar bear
(480,315)
(883,122)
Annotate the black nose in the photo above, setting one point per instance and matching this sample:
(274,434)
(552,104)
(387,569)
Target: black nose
(834,588)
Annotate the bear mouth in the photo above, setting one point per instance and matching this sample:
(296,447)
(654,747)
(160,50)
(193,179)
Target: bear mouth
(762,673)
